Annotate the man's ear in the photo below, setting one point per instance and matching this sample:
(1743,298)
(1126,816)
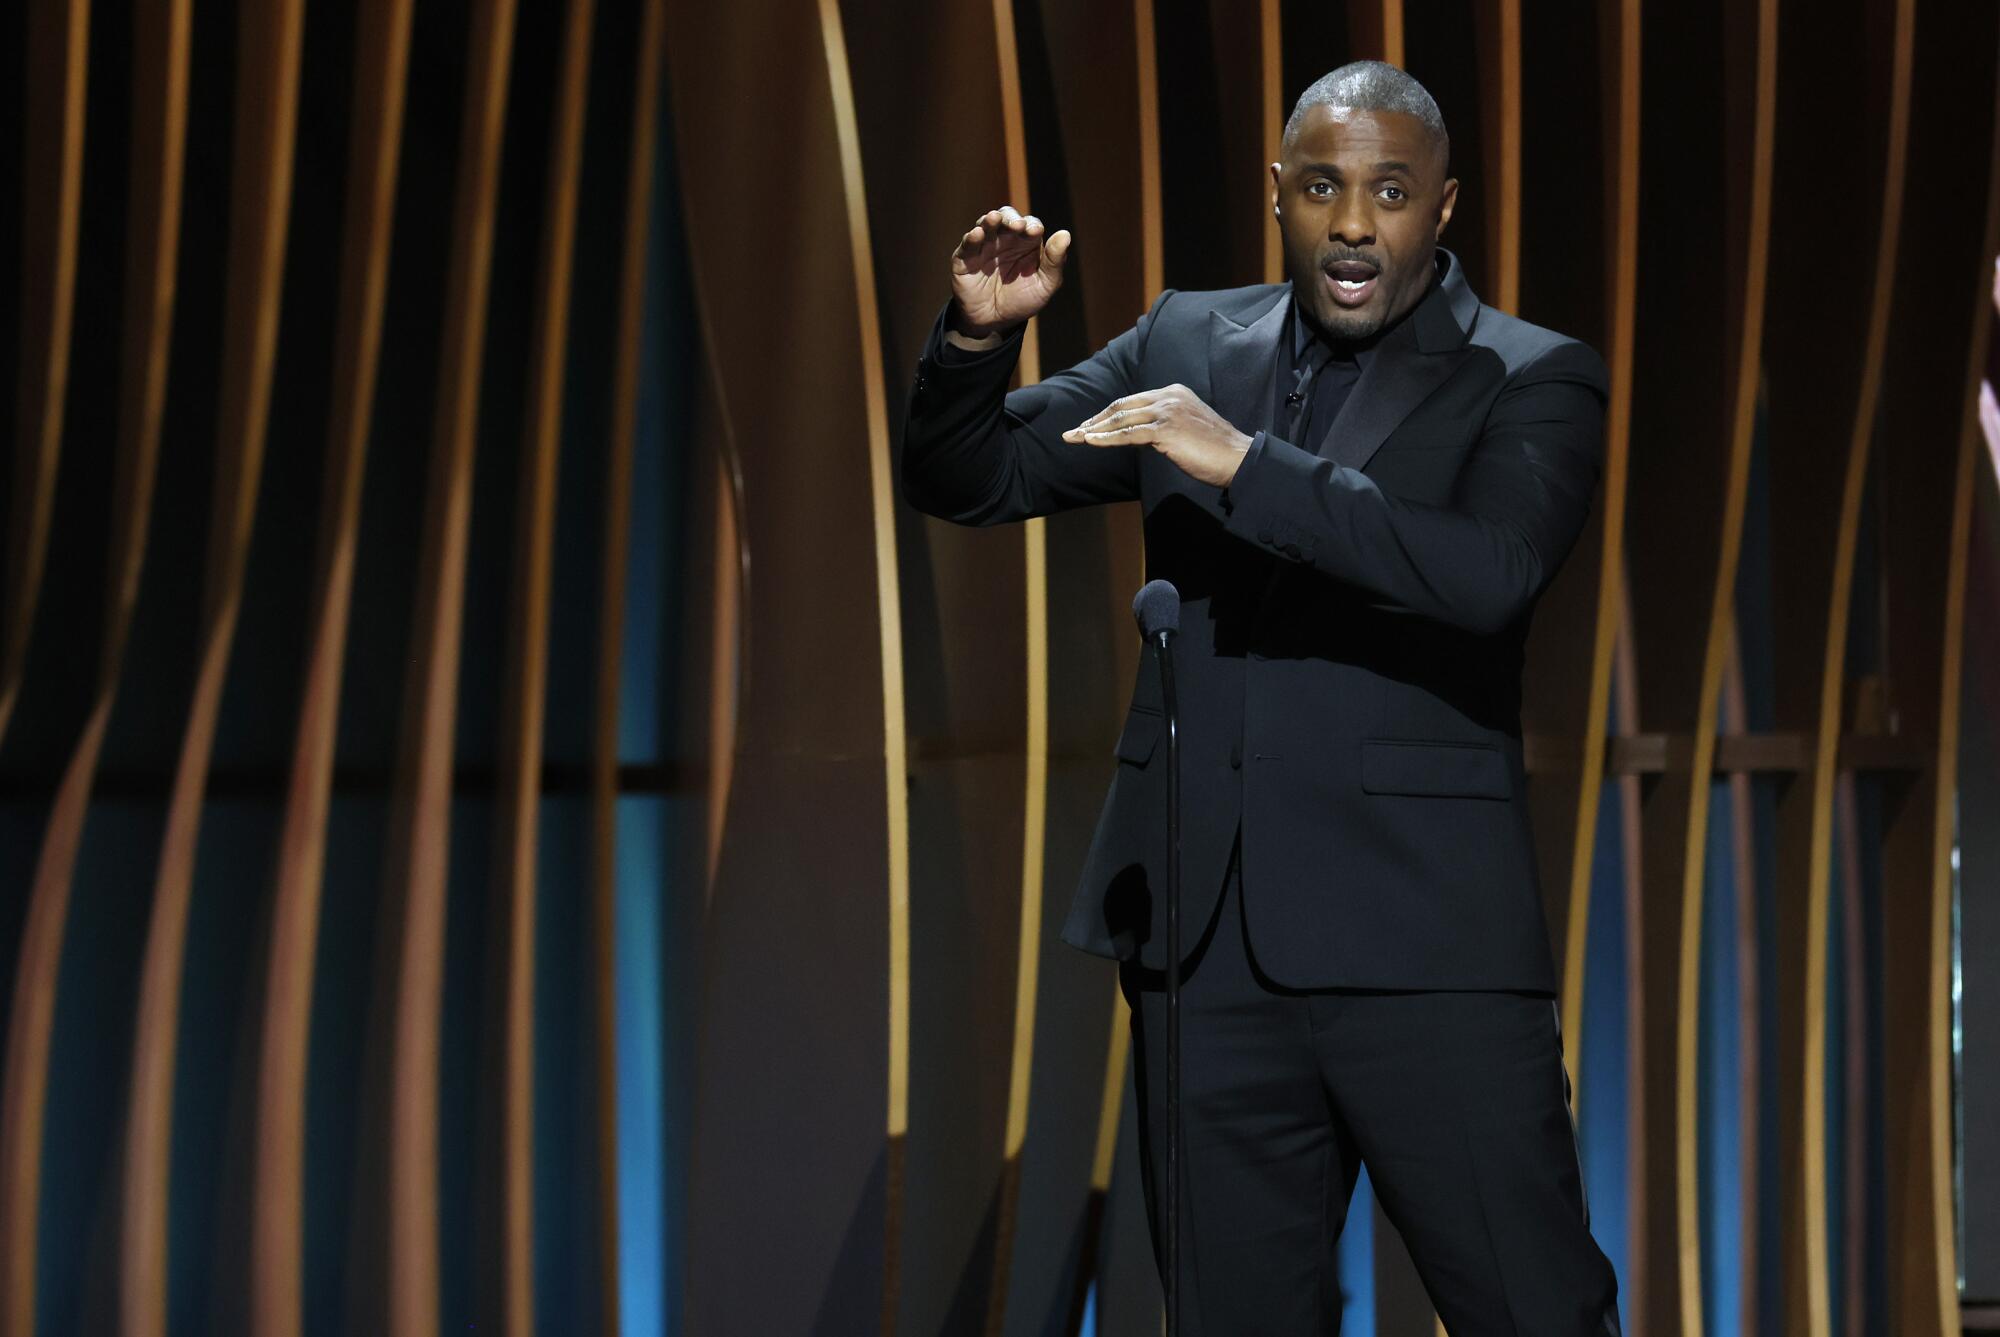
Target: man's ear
(1446,199)
(1277,171)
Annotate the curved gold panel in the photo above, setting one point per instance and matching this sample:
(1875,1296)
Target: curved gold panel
(1696,359)
(938,152)
(268,46)
(509,1303)
(57,50)
(52,168)
(804,1026)
(266,100)
(1823,365)
(159,126)
(420,810)
(277,1192)
(1926,453)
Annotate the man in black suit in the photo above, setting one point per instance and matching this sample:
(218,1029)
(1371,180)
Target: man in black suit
(1360,481)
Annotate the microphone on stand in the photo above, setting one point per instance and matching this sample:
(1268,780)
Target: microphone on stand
(1158,610)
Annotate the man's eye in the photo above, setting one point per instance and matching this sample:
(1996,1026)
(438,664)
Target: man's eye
(1392,192)
(1321,188)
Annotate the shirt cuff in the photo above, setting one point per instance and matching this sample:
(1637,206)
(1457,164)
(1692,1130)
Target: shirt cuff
(950,354)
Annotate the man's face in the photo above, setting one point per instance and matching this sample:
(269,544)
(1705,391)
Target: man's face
(1361,198)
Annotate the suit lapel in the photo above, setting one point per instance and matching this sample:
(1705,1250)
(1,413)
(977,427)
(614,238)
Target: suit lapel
(1408,366)
(1241,361)
(1396,380)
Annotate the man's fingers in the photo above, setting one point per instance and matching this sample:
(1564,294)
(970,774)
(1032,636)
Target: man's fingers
(1056,249)
(1129,402)
(1007,225)
(1110,426)
(986,225)
(1115,434)
(986,248)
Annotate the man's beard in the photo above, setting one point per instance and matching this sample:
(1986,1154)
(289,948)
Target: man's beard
(1355,326)
(1341,324)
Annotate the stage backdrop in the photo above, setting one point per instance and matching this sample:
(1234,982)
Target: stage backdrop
(508,823)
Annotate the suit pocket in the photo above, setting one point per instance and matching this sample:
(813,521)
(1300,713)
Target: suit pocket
(1139,736)
(1448,770)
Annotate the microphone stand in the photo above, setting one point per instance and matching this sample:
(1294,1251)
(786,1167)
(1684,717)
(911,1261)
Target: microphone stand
(1163,646)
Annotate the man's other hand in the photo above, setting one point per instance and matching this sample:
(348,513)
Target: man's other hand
(1174,421)
(1003,272)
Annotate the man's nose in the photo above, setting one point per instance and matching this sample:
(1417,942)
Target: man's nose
(1352,222)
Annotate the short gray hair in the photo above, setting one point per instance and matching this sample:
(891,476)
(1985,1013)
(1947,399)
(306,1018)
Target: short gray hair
(1373,85)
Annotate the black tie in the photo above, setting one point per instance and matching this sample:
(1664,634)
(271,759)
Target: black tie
(1299,402)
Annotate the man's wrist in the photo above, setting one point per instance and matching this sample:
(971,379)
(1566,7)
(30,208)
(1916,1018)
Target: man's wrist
(961,333)
(983,344)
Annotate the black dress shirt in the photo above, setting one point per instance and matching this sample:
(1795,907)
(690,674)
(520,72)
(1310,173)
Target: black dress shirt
(1315,377)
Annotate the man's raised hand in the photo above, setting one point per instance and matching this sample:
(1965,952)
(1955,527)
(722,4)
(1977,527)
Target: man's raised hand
(1004,271)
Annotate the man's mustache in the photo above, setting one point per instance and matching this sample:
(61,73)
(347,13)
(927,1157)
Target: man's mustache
(1329,262)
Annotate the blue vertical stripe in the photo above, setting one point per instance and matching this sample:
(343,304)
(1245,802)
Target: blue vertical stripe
(1718,1068)
(639,1000)
(1834,1089)
(1604,1072)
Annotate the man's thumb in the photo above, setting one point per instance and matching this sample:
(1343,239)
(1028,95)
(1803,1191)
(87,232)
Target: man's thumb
(1056,249)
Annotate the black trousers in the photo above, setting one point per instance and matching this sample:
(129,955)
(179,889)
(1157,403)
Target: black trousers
(1456,1102)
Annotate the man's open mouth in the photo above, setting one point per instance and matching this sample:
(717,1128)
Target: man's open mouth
(1350,281)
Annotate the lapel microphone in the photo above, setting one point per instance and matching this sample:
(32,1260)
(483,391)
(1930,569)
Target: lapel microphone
(1158,610)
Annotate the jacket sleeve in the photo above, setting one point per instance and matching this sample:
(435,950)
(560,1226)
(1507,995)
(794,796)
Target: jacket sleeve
(1477,563)
(978,455)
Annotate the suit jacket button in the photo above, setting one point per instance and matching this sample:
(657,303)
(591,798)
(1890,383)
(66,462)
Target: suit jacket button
(1291,550)
(1263,536)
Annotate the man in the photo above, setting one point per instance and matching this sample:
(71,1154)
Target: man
(1360,481)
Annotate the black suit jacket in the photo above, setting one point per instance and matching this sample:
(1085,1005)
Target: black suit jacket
(1352,622)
